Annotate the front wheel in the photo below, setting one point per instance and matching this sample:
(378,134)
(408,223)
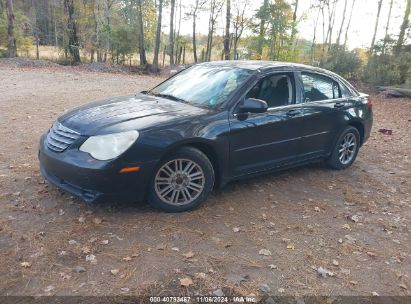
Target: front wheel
(346,149)
(182,181)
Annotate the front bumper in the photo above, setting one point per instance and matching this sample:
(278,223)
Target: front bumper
(92,180)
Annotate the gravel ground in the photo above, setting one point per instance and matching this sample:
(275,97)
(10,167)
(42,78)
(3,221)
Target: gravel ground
(355,224)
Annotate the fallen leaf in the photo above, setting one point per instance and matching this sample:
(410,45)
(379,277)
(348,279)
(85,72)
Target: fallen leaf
(218,293)
(403,286)
(346,226)
(290,246)
(200,275)
(186,282)
(324,272)
(97,220)
(265,252)
(79,269)
(114,271)
(188,255)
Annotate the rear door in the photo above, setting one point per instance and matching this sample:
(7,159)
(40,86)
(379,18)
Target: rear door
(322,111)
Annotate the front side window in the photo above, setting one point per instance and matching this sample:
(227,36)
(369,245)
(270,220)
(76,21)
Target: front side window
(318,87)
(203,85)
(276,90)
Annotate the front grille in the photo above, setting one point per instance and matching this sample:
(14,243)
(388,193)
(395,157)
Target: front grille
(60,138)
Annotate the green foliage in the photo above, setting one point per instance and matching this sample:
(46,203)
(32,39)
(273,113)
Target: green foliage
(388,67)
(124,41)
(21,23)
(343,62)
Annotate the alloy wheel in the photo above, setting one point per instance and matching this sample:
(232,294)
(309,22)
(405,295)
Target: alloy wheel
(179,182)
(347,148)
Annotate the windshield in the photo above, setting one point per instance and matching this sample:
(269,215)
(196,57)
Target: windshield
(202,85)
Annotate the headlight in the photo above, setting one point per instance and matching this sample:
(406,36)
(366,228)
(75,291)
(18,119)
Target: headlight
(105,147)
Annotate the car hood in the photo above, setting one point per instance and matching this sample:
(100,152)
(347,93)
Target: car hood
(128,112)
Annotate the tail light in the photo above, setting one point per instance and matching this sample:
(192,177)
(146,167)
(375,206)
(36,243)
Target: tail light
(369,103)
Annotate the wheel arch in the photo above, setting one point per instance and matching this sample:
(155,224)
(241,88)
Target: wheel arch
(360,127)
(205,147)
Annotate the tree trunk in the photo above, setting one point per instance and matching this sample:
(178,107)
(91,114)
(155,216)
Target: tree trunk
(73,43)
(348,24)
(141,46)
(11,40)
(158,36)
(171,37)
(37,48)
(404,26)
(315,36)
(194,32)
(294,28)
(387,27)
(342,22)
(375,28)
(227,32)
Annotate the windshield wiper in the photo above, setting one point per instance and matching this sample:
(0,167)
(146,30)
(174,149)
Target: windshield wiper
(168,96)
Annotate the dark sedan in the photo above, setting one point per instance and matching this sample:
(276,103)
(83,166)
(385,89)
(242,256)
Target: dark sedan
(207,125)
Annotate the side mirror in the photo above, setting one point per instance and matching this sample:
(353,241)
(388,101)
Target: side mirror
(253,105)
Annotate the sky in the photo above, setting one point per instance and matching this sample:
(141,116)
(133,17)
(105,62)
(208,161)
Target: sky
(359,35)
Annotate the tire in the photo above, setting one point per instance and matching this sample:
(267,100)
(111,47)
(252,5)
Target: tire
(344,153)
(182,181)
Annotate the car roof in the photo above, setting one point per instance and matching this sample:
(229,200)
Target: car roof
(263,65)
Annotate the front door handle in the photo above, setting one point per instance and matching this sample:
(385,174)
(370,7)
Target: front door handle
(339,104)
(293,112)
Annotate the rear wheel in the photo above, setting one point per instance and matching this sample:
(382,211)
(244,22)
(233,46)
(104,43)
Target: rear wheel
(346,149)
(182,181)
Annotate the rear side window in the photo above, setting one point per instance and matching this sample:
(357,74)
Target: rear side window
(345,92)
(318,87)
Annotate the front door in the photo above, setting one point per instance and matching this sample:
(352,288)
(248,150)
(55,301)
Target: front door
(261,141)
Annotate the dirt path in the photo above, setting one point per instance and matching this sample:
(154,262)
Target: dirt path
(355,223)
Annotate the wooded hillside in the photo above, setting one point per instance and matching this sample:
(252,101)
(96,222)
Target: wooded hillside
(135,32)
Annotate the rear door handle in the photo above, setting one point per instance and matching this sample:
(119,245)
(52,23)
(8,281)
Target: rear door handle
(339,104)
(293,112)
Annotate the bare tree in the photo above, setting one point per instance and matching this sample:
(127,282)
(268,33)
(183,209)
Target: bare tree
(158,36)
(239,25)
(294,28)
(348,24)
(331,21)
(11,40)
(171,36)
(404,26)
(342,22)
(74,44)
(387,27)
(320,8)
(194,12)
(375,28)
(227,32)
(215,9)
